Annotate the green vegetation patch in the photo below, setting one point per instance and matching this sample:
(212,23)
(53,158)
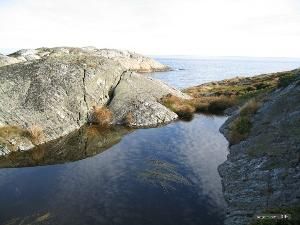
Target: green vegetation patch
(242,89)
(288,78)
(241,126)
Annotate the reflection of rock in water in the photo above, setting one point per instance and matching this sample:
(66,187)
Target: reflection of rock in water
(164,175)
(88,141)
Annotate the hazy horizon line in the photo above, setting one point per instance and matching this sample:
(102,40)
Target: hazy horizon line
(7,51)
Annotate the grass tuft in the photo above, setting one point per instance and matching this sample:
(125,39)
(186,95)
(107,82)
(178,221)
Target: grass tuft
(36,134)
(102,115)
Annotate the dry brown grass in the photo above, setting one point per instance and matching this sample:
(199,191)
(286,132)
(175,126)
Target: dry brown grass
(185,108)
(182,107)
(102,115)
(36,134)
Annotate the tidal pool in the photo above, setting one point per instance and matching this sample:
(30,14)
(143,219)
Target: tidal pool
(165,175)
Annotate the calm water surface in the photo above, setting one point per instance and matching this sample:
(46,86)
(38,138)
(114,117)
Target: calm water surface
(160,176)
(190,72)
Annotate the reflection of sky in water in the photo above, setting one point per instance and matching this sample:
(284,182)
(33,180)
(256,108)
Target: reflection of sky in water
(203,149)
(108,189)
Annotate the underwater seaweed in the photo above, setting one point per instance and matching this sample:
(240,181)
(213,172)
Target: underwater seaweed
(163,174)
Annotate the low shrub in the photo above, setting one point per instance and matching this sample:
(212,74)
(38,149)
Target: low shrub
(102,115)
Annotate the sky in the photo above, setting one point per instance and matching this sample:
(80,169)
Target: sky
(258,28)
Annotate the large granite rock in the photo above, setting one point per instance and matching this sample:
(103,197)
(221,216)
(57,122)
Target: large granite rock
(263,171)
(129,60)
(5,60)
(57,92)
(138,96)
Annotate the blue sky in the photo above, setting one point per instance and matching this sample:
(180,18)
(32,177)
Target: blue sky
(156,27)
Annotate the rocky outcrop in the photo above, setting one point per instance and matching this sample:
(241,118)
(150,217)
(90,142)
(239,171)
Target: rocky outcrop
(129,60)
(56,92)
(5,60)
(263,171)
(137,96)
